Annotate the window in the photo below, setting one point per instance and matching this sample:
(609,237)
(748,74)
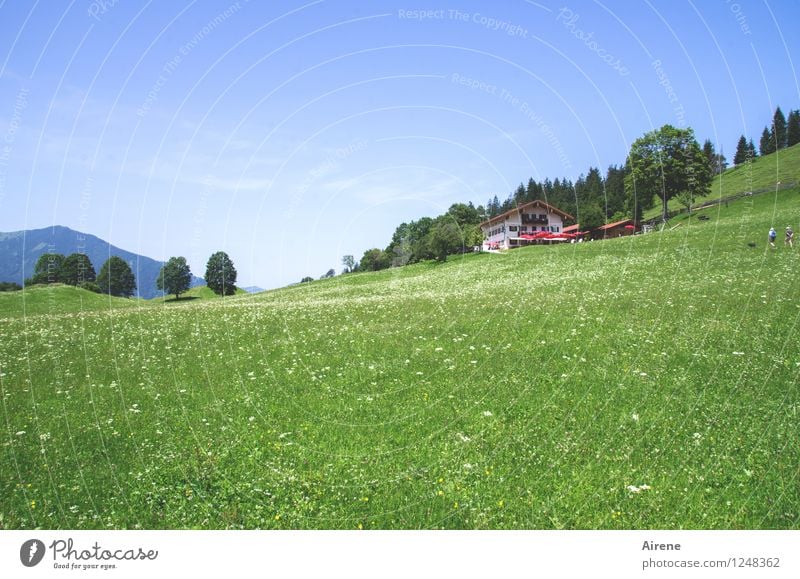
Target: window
(524,228)
(512,227)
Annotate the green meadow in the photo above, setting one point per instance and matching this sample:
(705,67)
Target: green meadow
(762,173)
(641,382)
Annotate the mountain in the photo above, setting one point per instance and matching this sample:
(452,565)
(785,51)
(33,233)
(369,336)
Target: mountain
(19,251)
(253,289)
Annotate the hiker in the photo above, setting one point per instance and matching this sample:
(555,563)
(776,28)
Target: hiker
(789,236)
(772,236)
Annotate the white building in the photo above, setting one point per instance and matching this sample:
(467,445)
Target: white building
(505,231)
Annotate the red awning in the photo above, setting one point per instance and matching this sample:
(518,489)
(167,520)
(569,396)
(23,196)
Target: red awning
(630,227)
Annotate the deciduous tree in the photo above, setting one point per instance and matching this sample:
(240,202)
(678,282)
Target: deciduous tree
(221,274)
(374,260)
(174,277)
(76,269)
(668,162)
(349,262)
(116,278)
(445,238)
(47,269)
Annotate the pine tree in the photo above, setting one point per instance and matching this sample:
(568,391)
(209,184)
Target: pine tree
(751,150)
(519,195)
(494,205)
(709,152)
(741,151)
(720,164)
(793,128)
(615,190)
(767,144)
(534,190)
(779,129)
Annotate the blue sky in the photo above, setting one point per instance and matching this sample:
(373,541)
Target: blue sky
(291,133)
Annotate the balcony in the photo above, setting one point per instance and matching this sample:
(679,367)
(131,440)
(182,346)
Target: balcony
(533,219)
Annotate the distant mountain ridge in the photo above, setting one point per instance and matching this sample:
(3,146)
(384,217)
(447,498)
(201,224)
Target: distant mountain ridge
(19,251)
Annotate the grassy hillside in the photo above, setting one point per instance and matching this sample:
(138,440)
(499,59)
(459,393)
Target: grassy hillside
(57,299)
(641,382)
(200,291)
(762,173)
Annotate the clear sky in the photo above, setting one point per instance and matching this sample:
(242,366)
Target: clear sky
(292,133)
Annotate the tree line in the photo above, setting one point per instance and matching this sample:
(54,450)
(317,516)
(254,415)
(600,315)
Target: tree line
(781,133)
(117,279)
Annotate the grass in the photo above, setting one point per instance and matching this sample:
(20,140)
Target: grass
(762,173)
(641,382)
(57,299)
(198,292)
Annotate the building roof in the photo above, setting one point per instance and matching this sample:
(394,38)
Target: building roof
(520,208)
(612,225)
(571,228)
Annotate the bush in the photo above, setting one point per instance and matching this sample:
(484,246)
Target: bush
(9,286)
(90,285)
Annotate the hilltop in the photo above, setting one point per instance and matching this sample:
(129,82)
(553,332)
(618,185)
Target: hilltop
(645,382)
